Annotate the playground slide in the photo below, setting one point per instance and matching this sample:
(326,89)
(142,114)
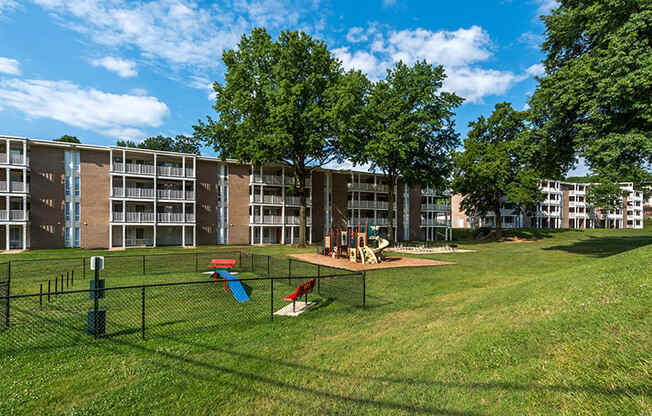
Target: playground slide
(382,245)
(235,285)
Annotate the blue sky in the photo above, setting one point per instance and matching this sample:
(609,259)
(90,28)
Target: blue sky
(103,70)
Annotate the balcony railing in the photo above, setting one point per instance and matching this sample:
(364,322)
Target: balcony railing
(140,217)
(13,215)
(268,199)
(435,207)
(170,194)
(294,220)
(117,217)
(142,193)
(16,159)
(370,221)
(139,242)
(169,171)
(279,180)
(363,186)
(435,222)
(167,217)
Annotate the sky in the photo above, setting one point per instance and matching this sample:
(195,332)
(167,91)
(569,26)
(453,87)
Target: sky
(118,69)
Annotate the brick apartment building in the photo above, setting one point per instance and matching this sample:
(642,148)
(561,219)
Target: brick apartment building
(563,206)
(60,195)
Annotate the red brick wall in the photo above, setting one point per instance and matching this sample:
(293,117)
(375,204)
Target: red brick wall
(415,213)
(206,202)
(340,196)
(47,198)
(400,210)
(318,184)
(95,183)
(238,204)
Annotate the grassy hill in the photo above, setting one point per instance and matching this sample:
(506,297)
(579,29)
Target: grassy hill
(556,326)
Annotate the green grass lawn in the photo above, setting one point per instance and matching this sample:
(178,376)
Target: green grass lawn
(556,326)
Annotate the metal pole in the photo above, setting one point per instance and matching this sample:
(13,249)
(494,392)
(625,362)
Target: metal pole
(319,279)
(267,266)
(40,297)
(67,279)
(83,268)
(61,282)
(143,312)
(56,286)
(96,303)
(48,290)
(72,278)
(290,272)
(7,305)
(271,299)
(196,263)
(144,270)
(240,258)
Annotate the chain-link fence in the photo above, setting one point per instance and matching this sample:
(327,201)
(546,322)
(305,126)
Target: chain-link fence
(51,319)
(5,290)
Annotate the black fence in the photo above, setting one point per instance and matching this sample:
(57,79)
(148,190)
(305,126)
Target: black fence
(5,291)
(49,319)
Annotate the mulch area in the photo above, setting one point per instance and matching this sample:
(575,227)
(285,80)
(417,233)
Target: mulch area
(389,263)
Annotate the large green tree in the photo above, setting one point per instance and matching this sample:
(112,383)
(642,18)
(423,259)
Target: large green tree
(283,101)
(496,164)
(179,144)
(405,129)
(595,99)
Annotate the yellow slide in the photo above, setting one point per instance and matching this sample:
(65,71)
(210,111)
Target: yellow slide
(372,256)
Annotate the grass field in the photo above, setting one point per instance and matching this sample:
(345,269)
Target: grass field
(556,326)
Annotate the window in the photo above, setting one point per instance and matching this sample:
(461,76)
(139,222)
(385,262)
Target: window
(68,230)
(77,185)
(77,233)
(140,233)
(67,185)
(67,212)
(77,211)
(76,161)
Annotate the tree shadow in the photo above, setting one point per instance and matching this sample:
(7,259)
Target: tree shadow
(603,246)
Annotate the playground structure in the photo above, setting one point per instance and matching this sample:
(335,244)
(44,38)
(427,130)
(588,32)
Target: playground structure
(230,281)
(353,244)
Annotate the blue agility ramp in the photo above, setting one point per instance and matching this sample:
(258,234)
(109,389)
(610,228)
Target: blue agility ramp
(235,285)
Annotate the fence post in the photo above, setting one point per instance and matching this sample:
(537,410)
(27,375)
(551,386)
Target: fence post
(7,304)
(67,279)
(271,299)
(40,297)
(267,266)
(290,272)
(56,286)
(83,268)
(144,269)
(72,278)
(49,290)
(142,330)
(319,279)
(196,263)
(96,300)
(61,287)
(240,258)
(364,290)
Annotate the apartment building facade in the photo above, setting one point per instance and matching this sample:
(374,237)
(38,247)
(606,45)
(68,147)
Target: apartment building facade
(59,195)
(563,206)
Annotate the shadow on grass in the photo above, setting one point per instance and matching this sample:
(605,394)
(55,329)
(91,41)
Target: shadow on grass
(520,233)
(603,246)
(189,365)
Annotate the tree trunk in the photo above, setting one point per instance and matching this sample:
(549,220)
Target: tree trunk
(499,221)
(390,210)
(301,179)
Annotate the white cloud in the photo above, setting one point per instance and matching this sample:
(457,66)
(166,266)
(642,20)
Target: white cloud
(87,108)
(536,70)
(546,6)
(7,5)
(475,83)
(9,66)
(122,67)
(449,48)
(356,34)
(174,31)
(202,83)
(360,60)
(531,39)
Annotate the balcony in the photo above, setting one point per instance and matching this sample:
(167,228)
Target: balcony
(362,204)
(268,199)
(434,222)
(14,215)
(370,221)
(367,187)
(172,171)
(295,220)
(176,194)
(435,207)
(139,217)
(139,193)
(139,242)
(14,186)
(295,200)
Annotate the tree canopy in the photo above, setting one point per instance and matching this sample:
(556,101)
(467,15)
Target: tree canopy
(283,101)
(67,139)
(496,164)
(405,129)
(595,99)
(179,144)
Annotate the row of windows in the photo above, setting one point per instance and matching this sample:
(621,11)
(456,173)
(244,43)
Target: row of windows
(72,207)
(77,185)
(72,236)
(72,160)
